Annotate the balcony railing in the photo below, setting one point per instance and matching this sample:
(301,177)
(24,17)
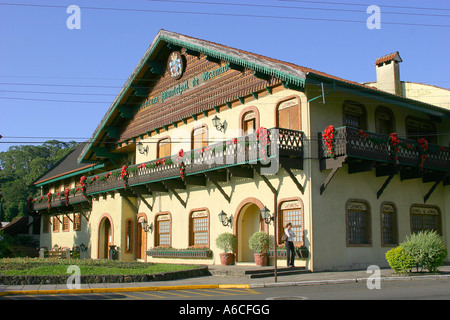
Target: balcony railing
(248,149)
(58,200)
(356,143)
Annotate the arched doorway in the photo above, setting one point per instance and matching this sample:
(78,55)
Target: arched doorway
(105,237)
(141,238)
(248,221)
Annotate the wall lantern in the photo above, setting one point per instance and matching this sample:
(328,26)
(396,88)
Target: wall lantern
(217,124)
(224,219)
(146,227)
(141,148)
(265,214)
(83,247)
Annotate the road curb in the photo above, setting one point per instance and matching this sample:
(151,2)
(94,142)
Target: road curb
(342,281)
(129,289)
(221,286)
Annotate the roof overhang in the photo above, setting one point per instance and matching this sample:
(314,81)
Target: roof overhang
(382,96)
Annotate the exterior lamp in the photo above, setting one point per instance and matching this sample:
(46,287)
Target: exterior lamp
(224,219)
(265,214)
(146,227)
(217,124)
(141,148)
(83,247)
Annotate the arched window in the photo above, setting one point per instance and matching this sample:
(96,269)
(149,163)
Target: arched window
(355,115)
(163,148)
(199,138)
(249,122)
(288,115)
(291,211)
(425,218)
(419,128)
(358,223)
(199,228)
(163,230)
(384,120)
(388,224)
(129,236)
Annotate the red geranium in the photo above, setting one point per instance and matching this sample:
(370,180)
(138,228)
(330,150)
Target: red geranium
(328,137)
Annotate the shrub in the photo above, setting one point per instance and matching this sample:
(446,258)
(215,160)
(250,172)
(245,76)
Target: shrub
(400,260)
(227,242)
(427,248)
(259,242)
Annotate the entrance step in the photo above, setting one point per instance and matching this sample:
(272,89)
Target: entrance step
(253,271)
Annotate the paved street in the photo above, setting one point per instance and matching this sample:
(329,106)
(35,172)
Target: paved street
(389,290)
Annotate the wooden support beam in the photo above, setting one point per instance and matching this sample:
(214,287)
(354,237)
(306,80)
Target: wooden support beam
(146,202)
(140,190)
(435,185)
(174,184)
(385,184)
(240,172)
(195,180)
(224,194)
(221,176)
(294,179)
(356,166)
(328,179)
(183,203)
(156,187)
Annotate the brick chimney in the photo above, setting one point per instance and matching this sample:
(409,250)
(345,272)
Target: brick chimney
(388,73)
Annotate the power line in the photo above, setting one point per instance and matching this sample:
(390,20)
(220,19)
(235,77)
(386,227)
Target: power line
(49,100)
(65,93)
(293,7)
(365,5)
(228,15)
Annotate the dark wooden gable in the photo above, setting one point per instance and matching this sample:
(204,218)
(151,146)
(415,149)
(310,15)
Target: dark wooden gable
(206,83)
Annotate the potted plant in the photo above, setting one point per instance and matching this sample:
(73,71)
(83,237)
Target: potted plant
(259,244)
(227,242)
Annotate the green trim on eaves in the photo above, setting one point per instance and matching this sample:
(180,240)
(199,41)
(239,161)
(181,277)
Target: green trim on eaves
(99,166)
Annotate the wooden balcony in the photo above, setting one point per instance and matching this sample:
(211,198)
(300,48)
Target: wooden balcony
(365,151)
(217,163)
(59,202)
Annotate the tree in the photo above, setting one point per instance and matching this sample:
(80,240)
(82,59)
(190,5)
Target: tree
(20,166)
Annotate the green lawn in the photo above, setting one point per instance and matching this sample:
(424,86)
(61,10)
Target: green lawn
(54,266)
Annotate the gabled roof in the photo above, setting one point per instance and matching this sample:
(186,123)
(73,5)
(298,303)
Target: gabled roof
(67,166)
(287,72)
(389,57)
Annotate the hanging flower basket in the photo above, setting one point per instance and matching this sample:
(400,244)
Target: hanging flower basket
(328,138)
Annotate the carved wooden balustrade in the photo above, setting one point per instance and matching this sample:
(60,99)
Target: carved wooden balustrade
(281,145)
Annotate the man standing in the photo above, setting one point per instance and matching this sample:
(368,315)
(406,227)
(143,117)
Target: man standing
(290,249)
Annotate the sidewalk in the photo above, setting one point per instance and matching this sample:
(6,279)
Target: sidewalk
(230,281)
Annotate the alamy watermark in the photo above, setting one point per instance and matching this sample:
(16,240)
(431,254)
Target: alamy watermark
(374,20)
(74,20)
(73,282)
(374,281)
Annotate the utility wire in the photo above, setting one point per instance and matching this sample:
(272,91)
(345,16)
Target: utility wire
(295,7)
(228,15)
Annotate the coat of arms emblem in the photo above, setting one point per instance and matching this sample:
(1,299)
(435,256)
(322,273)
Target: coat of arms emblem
(175,65)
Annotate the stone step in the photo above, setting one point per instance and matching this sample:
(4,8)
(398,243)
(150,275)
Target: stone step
(254,272)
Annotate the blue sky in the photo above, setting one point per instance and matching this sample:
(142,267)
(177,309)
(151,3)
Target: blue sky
(57,83)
